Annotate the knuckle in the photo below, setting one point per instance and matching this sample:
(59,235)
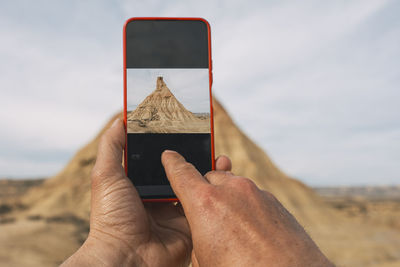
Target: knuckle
(212,174)
(183,169)
(270,196)
(209,173)
(244,184)
(100,175)
(273,197)
(97,176)
(104,180)
(99,171)
(206,196)
(103,137)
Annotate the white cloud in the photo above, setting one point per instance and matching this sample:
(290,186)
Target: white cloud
(314,83)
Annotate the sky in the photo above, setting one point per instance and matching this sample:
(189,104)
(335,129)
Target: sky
(189,86)
(314,83)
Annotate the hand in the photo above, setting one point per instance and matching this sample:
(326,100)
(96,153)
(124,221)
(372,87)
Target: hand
(123,231)
(234,223)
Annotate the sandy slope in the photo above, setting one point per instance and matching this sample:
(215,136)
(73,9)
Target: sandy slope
(161,112)
(36,243)
(66,196)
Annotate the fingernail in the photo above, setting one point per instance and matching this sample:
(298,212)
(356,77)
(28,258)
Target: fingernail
(115,123)
(169,151)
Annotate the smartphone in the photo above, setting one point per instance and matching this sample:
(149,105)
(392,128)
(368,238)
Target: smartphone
(167,99)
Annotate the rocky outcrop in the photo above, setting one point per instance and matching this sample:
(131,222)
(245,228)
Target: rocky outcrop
(161,112)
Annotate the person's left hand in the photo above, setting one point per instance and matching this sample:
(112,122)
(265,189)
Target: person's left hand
(123,230)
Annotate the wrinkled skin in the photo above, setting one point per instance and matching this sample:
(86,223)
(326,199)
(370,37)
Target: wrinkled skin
(234,223)
(224,220)
(123,230)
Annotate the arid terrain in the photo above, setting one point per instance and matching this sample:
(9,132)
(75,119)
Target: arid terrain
(13,189)
(46,223)
(378,205)
(161,112)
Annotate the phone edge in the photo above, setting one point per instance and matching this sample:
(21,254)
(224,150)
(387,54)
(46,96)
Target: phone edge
(210,81)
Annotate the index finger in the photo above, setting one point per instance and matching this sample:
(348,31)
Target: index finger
(184,178)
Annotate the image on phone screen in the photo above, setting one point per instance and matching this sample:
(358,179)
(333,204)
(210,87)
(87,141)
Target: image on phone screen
(167,100)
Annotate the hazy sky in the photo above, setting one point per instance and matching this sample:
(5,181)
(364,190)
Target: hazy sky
(190,86)
(314,83)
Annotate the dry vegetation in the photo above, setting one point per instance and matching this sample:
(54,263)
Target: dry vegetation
(378,206)
(54,219)
(161,112)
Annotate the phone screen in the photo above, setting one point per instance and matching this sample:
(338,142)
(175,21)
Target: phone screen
(167,99)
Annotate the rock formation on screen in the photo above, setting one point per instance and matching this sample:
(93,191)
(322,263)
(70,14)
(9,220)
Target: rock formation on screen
(51,209)
(161,112)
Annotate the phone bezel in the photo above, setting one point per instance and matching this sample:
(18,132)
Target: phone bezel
(210,90)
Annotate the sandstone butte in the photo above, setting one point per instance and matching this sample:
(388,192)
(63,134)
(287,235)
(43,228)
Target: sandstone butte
(34,243)
(163,105)
(162,112)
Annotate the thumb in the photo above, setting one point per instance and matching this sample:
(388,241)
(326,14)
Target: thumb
(109,154)
(115,203)
(108,172)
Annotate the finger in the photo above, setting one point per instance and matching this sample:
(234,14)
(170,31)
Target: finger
(109,182)
(195,262)
(218,177)
(223,163)
(109,154)
(183,176)
(108,167)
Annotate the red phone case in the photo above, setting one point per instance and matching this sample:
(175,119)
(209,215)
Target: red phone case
(210,84)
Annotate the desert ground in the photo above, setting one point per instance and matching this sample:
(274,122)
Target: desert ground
(161,112)
(45,222)
(200,125)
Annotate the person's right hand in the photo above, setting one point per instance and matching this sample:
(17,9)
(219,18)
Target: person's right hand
(234,223)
